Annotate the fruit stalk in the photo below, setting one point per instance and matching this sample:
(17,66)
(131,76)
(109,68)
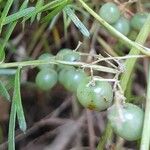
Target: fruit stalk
(42,62)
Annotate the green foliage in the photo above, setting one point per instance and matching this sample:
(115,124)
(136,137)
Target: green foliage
(18,15)
(18,103)
(130,63)
(9,31)
(16,110)
(54,12)
(76,21)
(11,132)
(3,91)
(38,5)
(5,12)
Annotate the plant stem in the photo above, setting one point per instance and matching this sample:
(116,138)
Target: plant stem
(1,134)
(7,71)
(107,134)
(130,63)
(119,35)
(11,132)
(106,46)
(145,141)
(41,62)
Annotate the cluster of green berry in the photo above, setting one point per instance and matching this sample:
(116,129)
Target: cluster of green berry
(92,93)
(111,14)
(47,76)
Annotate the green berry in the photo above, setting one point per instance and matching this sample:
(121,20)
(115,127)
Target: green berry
(138,20)
(73,78)
(126,120)
(122,25)
(110,12)
(62,52)
(95,95)
(62,74)
(46,79)
(46,56)
(67,55)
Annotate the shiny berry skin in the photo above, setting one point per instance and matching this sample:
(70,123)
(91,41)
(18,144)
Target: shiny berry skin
(46,79)
(62,52)
(97,95)
(73,78)
(110,12)
(62,74)
(67,55)
(46,56)
(126,120)
(138,20)
(122,25)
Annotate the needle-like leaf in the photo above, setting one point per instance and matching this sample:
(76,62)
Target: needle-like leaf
(19,108)
(3,91)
